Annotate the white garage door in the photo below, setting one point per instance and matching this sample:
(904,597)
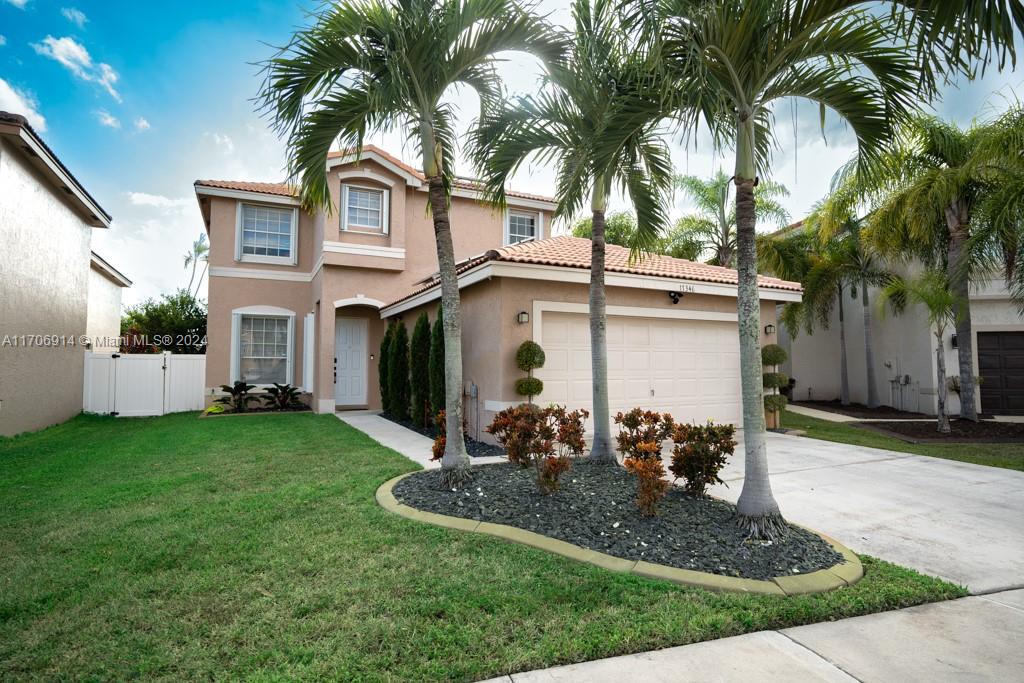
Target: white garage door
(689,368)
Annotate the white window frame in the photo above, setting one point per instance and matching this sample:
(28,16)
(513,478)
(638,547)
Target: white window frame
(538,217)
(293,246)
(385,210)
(236,340)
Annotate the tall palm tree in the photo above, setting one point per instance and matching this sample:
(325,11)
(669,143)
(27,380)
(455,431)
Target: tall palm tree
(944,197)
(597,121)
(932,290)
(713,224)
(738,58)
(369,66)
(199,253)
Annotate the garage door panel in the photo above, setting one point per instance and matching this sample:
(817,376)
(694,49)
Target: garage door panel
(692,366)
(1001,367)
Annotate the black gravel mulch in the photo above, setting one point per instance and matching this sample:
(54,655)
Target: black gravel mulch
(595,509)
(862,411)
(476,449)
(960,431)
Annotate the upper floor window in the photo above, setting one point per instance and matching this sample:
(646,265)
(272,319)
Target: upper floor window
(365,209)
(266,234)
(522,226)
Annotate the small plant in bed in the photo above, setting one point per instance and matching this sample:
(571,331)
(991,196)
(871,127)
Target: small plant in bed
(529,433)
(238,397)
(282,397)
(700,453)
(641,433)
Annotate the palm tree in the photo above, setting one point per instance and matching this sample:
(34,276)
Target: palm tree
(714,223)
(199,253)
(738,58)
(932,290)
(944,197)
(375,65)
(597,121)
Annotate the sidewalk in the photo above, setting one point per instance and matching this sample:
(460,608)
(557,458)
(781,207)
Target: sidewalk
(414,446)
(972,639)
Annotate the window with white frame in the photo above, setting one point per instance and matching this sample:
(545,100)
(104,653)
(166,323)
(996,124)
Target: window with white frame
(264,349)
(365,209)
(266,234)
(521,226)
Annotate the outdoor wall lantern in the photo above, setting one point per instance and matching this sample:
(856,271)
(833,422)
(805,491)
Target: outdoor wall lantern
(523,317)
(674,296)
(769,329)
(952,340)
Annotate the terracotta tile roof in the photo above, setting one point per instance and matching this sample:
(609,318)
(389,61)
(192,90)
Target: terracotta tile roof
(574,252)
(281,189)
(285,190)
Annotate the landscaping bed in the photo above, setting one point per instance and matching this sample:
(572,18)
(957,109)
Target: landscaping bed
(595,509)
(258,410)
(476,449)
(961,431)
(862,411)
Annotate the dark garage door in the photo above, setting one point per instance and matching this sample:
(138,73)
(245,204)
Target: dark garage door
(1001,366)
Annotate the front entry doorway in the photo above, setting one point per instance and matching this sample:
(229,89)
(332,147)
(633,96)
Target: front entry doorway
(350,378)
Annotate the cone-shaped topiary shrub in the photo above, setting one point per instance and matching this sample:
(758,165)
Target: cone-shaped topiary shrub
(419,371)
(773,355)
(398,372)
(382,368)
(436,365)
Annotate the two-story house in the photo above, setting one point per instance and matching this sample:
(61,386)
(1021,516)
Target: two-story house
(305,299)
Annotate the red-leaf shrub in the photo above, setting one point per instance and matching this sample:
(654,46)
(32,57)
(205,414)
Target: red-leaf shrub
(437,451)
(541,437)
(700,452)
(641,433)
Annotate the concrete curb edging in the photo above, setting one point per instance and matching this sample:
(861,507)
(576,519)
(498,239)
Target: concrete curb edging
(849,572)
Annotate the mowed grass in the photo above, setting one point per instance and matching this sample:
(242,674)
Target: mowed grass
(252,547)
(1007,455)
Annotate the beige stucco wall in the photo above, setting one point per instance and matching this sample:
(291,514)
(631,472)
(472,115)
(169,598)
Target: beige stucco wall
(103,322)
(904,345)
(491,333)
(44,281)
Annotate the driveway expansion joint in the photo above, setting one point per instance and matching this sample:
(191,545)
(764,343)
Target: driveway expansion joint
(847,573)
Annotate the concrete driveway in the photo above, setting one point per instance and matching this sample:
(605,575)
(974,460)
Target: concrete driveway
(954,520)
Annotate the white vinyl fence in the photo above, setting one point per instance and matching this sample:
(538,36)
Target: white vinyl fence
(138,384)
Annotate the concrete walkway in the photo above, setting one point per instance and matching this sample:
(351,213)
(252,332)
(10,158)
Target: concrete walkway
(972,639)
(412,445)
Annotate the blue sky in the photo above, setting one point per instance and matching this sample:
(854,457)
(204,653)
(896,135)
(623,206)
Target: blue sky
(141,99)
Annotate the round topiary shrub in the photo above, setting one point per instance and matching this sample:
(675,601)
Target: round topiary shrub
(530,356)
(773,354)
(775,380)
(773,403)
(529,386)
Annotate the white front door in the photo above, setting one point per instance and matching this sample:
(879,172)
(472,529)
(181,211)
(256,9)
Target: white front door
(350,361)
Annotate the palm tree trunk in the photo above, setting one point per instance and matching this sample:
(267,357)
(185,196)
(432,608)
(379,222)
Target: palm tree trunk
(601,449)
(756,508)
(844,372)
(957,222)
(869,347)
(940,376)
(455,463)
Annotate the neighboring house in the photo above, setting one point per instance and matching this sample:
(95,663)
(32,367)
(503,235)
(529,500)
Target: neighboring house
(46,224)
(305,299)
(904,351)
(103,323)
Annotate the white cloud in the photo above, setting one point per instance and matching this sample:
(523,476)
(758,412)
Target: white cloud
(76,59)
(222,141)
(141,124)
(158,200)
(107,119)
(20,4)
(3,40)
(75,16)
(20,102)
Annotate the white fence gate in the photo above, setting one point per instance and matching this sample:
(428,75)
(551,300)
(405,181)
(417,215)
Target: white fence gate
(138,384)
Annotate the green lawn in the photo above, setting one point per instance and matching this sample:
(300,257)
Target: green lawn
(1008,455)
(251,547)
